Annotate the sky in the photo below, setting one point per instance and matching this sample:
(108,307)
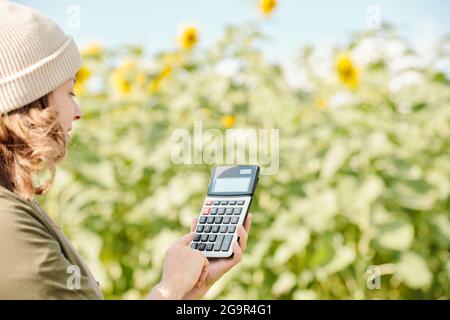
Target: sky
(155,23)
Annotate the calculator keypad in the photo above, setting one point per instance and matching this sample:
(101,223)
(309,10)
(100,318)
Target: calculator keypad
(217,225)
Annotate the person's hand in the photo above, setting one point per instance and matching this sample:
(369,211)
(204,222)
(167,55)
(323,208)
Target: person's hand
(183,268)
(219,266)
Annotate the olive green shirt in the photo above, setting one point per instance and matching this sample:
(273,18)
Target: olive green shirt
(37,261)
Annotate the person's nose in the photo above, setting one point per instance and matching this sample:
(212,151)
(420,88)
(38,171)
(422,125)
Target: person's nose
(78,114)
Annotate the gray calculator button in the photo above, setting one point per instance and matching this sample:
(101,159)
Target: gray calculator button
(199,228)
(225,202)
(231,229)
(237,210)
(213,211)
(208,229)
(232,202)
(216,202)
(229,211)
(201,246)
(226,220)
(197,237)
(218,243)
(202,219)
(235,220)
(212,237)
(226,242)
(209,247)
(194,245)
(221,211)
(204,238)
(215,229)
(223,229)
(240,202)
(218,220)
(210,220)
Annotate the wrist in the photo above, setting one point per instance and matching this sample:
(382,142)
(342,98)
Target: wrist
(198,292)
(168,290)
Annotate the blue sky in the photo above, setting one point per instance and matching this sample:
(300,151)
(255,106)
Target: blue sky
(294,23)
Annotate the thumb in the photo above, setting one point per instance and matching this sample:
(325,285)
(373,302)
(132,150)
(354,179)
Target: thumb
(193,224)
(184,240)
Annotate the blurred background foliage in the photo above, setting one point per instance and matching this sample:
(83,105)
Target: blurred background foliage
(363,178)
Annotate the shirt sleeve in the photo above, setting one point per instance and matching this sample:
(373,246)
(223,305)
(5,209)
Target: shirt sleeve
(32,264)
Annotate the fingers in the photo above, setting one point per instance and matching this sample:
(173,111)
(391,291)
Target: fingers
(248,222)
(237,253)
(204,274)
(206,263)
(194,223)
(186,239)
(242,231)
(243,236)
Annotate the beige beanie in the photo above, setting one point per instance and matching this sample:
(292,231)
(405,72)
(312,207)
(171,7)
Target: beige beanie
(36,56)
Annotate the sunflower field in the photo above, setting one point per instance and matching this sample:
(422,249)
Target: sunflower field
(363,183)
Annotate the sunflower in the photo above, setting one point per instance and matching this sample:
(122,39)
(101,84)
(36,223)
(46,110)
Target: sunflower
(159,78)
(228,121)
(80,80)
(188,37)
(122,77)
(92,50)
(347,72)
(267,6)
(120,83)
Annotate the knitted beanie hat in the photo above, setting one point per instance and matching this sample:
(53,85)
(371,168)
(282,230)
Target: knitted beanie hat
(36,56)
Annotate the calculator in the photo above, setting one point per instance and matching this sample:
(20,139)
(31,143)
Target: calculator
(226,206)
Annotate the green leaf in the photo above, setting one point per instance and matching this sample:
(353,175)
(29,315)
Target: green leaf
(396,236)
(334,159)
(413,271)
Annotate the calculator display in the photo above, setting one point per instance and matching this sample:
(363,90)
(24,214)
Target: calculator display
(233,180)
(231,184)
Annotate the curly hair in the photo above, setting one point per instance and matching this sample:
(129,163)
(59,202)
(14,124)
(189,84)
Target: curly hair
(31,141)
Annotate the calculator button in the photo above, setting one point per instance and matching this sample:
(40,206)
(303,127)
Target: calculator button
(226,242)
(212,237)
(216,202)
(221,211)
(208,202)
(232,202)
(218,220)
(237,210)
(229,211)
(197,237)
(240,202)
(215,229)
(201,246)
(199,228)
(206,210)
(209,247)
(226,220)
(202,219)
(210,220)
(218,243)
(225,202)
(194,245)
(208,229)
(223,229)
(214,210)
(234,220)
(231,229)
(204,238)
